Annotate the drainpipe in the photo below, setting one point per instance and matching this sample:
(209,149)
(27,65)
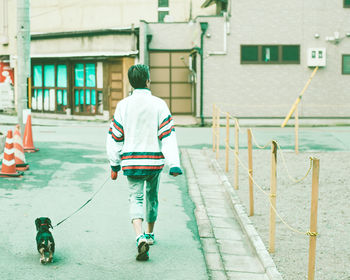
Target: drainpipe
(204,27)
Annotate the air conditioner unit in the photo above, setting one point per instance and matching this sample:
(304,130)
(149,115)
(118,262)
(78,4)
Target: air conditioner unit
(316,57)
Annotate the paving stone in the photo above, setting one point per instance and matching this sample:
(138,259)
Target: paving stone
(246,276)
(213,261)
(227,252)
(242,263)
(227,234)
(200,213)
(210,245)
(217,275)
(213,194)
(204,228)
(224,222)
(206,185)
(214,203)
(234,247)
(218,212)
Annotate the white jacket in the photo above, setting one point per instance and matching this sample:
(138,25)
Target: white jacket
(142,135)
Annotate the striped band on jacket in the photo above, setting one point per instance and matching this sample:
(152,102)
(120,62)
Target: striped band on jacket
(142,163)
(166,128)
(117,131)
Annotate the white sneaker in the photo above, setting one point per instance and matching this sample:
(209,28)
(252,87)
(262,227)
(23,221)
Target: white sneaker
(142,248)
(149,237)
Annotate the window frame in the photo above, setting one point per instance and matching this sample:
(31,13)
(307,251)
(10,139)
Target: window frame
(342,64)
(161,6)
(261,61)
(162,9)
(42,63)
(346,5)
(74,88)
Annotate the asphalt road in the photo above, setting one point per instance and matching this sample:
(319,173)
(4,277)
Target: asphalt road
(98,242)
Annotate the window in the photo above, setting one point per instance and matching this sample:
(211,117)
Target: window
(249,53)
(346,64)
(346,3)
(163,3)
(270,54)
(163,9)
(85,88)
(49,89)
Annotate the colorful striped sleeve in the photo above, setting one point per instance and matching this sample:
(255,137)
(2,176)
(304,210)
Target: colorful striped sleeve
(115,138)
(116,130)
(166,127)
(167,137)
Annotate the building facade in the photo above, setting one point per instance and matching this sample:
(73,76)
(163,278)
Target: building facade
(266,62)
(250,58)
(81,51)
(256,57)
(7,51)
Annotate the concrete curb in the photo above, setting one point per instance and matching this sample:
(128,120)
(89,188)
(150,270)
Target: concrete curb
(247,226)
(204,229)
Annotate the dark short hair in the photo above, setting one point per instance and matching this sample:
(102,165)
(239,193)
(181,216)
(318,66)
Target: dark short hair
(138,75)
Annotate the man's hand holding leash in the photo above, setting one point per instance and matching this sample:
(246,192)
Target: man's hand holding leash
(114,175)
(114,172)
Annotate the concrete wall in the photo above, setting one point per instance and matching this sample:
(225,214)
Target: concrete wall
(68,15)
(270,90)
(80,46)
(8,17)
(172,35)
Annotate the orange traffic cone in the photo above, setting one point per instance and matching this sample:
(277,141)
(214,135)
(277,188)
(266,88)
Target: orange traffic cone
(28,138)
(8,168)
(19,151)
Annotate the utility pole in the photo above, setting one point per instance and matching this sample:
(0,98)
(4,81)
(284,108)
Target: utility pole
(23,57)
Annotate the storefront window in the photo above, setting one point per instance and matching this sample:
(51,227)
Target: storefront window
(85,88)
(49,90)
(58,86)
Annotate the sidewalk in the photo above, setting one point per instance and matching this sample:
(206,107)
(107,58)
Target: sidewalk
(232,247)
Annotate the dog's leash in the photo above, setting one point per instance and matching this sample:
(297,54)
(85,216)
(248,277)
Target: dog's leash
(81,207)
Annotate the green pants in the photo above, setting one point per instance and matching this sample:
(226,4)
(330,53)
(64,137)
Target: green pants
(136,195)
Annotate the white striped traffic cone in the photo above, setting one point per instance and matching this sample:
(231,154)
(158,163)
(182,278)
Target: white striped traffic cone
(19,151)
(8,168)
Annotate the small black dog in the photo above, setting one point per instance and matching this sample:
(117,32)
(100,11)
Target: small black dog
(44,239)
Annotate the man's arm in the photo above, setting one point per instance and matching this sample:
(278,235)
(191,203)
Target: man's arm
(115,142)
(167,136)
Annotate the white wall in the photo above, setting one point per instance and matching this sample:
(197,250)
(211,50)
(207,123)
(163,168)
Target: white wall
(72,15)
(270,90)
(108,44)
(9,49)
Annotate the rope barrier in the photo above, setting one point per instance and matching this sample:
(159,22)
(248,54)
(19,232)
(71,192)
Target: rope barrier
(235,119)
(286,168)
(272,207)
(256,143)
(284,160)
(216,133)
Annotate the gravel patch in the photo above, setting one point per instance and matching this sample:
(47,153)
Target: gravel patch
(293,204)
